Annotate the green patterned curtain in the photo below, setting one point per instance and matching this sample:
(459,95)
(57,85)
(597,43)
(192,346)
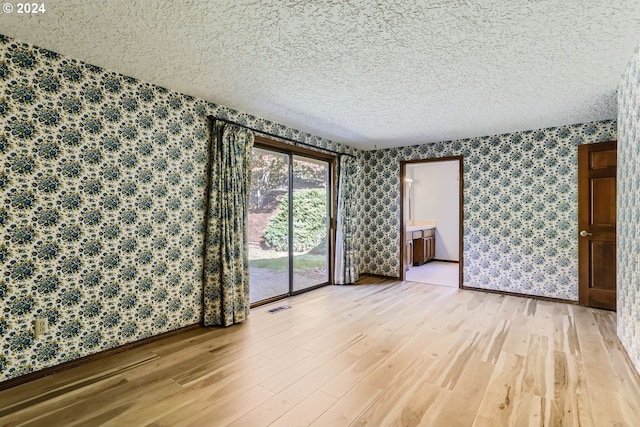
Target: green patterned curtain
(346,268)
(226,260)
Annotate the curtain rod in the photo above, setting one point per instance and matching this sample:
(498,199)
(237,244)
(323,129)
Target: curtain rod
(280,137)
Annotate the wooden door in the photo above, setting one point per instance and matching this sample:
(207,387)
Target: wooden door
(597,224)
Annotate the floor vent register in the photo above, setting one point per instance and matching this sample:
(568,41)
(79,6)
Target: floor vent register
(277,309)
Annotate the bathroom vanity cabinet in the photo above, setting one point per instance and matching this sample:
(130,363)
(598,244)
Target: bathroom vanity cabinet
(408,250)
(424,245)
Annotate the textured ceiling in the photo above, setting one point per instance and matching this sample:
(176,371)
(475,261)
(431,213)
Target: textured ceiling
(362,72)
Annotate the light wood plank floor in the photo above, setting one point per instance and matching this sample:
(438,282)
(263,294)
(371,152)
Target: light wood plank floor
(377,354)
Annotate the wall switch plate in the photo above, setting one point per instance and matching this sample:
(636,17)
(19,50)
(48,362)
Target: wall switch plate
(41,327)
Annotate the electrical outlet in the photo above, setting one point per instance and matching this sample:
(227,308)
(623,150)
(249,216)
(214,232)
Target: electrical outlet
(41,326)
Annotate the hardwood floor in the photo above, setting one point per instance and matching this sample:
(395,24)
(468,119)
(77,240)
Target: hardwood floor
(379,353)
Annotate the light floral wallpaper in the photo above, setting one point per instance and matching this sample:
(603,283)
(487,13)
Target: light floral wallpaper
(102,181)
(628,220)
(520,208)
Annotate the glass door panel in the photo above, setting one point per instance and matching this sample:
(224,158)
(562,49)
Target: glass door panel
(268,225)
(310,216)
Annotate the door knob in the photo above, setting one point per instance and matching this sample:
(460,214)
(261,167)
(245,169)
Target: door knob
(585,233)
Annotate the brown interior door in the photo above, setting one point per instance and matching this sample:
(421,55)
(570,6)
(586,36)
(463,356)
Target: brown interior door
(597,224)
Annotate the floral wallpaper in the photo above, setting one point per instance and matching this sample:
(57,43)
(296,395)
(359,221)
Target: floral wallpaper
(102,181)
(520,208)
(628,220)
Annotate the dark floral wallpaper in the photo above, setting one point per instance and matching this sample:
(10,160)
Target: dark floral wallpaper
(520,208)
(102,181)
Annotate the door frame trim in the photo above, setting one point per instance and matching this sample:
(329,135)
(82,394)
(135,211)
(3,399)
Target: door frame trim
(403,174)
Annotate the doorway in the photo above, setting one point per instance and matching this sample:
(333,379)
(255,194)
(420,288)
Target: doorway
(431,221)
(597,165)
(289,214)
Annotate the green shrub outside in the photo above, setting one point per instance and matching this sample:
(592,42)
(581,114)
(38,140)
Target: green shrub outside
(309,221)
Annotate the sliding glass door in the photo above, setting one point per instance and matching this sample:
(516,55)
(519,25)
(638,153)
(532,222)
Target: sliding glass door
(268,225)
(310,222)
(289,212)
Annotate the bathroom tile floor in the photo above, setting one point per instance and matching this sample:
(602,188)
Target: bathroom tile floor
(435,273)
